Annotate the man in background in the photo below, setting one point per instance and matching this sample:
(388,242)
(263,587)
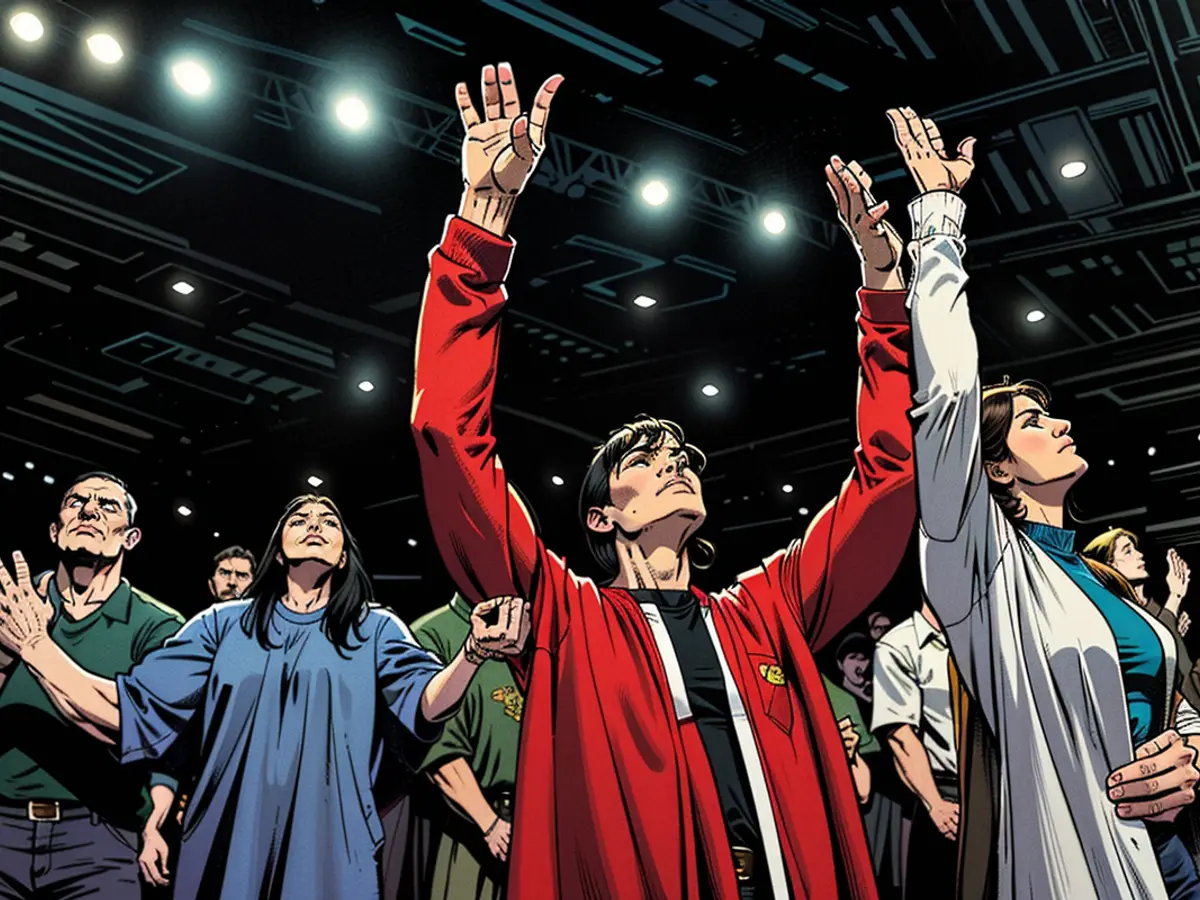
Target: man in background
(70,813)
(233,570)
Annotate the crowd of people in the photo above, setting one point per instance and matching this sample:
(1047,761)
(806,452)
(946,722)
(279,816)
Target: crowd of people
(1027,728)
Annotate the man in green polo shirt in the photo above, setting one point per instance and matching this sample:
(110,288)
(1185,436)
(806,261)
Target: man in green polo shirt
(70,813)
(474,764)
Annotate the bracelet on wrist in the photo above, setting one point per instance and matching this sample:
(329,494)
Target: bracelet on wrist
(492,827)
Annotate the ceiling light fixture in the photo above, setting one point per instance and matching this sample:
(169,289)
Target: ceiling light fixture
(710,390)
(804,510)
(366,387)
(1073,169)
(29,466)
(1150,451)
(787,488)
(191,77)
(774,222)
(412,542)
(314,481)
(49,479)
(216,534)
(7,476)
(352,113)
(1034,315)
(644,302)
(184,511)
(655,193)
(104,48)
(557,481)
(27,27)
(182,287)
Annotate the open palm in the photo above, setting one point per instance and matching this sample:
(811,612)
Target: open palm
(920,143)
(501,148)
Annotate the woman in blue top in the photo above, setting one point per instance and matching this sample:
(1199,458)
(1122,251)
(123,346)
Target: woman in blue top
(293,686)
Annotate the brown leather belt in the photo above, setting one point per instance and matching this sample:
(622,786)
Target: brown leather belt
(43,811)
(743,863)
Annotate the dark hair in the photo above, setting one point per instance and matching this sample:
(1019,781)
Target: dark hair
(130,503)
(235,552)
(648,433)
(854,642)
(350,589)
(995,414)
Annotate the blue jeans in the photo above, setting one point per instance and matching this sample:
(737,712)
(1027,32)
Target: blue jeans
(1175,863)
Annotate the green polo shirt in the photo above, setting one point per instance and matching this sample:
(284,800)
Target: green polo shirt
(845,704)
(45,757)
(487,727)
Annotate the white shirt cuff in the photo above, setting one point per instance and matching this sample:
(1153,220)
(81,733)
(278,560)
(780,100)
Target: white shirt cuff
(937,212)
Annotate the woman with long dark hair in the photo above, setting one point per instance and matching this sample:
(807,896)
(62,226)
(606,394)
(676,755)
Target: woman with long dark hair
(1072,678)
(293,685)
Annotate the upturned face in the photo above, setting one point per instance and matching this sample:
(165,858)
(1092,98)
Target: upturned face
(1043,452)
(231,578)
(650,486)
(855,667)
(1128,560)
(314,533)
(94,520)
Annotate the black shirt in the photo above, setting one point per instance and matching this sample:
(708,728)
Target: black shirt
(705,685)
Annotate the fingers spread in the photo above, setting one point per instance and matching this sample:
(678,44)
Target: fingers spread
(8,587)
(863,178)
(935,136)
(916,129)
(466,108)
(541,110)
(509,100)
(491,93)
(966,149)
(21,568)
(522,143)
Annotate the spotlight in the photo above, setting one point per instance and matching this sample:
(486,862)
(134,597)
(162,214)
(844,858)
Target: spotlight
(1034,315)
(1073,169)
(787,489)
(1150,451)
(104,48)
(352,113)
(184,511)
(644,302)
(804,510)
(49,479)
(191,77)
(655,193)
(412,542)
(774,222)
(314,481)
(182,287)
(710,390)
(557,481)
(27,27)
(29,466)
(7,476)
(366,387)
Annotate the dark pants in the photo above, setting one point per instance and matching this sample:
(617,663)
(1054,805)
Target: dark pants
(77,856)
(1175,863)
(932,869)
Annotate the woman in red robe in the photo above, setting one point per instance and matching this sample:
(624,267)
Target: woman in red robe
(676,744)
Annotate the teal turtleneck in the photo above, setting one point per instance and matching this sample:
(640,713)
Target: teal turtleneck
(1143,664)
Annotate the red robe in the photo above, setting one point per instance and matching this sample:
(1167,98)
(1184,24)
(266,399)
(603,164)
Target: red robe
(615,799)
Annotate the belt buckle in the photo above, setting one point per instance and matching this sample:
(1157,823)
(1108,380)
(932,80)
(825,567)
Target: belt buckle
(43,811)
(743,863)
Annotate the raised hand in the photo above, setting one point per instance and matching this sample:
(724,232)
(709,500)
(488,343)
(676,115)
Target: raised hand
(501,149)
(850,737)
(1178,574)
(879,246)
(1158,783)
(25,614)
(499,627)
(1184,624)
(924,152)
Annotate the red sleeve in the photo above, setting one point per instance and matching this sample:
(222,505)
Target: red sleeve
(484,533)
(856,543)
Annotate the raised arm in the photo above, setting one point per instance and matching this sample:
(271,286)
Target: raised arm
(854,545)
(483,531)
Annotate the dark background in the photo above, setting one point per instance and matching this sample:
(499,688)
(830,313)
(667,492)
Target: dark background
(307,247)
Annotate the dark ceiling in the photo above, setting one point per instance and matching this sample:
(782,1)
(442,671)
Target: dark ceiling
(307,250)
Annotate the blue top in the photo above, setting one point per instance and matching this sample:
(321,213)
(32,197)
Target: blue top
(1139,651)
(283,809)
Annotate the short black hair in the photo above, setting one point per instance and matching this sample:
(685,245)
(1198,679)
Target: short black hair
(855,642)
(235,552)
(130,503)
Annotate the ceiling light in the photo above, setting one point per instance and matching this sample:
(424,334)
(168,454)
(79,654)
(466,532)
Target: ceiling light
(191,77)
(655,193)
(557,481)
(1112,462)
(644,302)
(710,390)
(105,49)
(314,481)
(787,488)
(216,534)
(366,387)
(184,511)
(774,222)
(27,26)
(352,112)
(804,510)
(49,479)
(182,287)
(29,466)
(1150,451)
(1073,169)
(412,542)
(7,476)
(1034,315)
